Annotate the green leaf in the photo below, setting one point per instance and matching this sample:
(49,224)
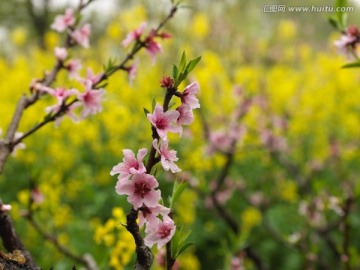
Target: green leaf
(175,72)
(352,65)
(146,111)
(334,22)
(177,190)
(110,65)
(153,104)
(192,64)
(184,236)
(183,248)
(182,62)
(341,16)
(174,244)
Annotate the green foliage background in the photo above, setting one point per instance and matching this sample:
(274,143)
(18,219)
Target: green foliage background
(287,58)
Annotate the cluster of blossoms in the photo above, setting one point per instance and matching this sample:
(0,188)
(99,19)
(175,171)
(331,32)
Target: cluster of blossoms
(348,42)
(139,185)
(67,22)
(149,42)
(222,140)
(91,99)
(315,210)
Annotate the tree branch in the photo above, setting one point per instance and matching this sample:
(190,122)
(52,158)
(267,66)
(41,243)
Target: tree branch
(11,240)
(144,256)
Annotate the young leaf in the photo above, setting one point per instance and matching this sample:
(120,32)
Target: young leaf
(177,190)
(352,65)
(192,64)
(184,236)
(153,104)
(175,72)
(182,62)
(341,16)
(183,248)
(334,22)
(146,111)
(175,244)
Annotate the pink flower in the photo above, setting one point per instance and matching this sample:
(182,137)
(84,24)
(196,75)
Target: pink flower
(159,232)
(61,94)
(130,164)
(186,116)
(168,156)
(219,141)
(153,48)
(188,96)
(69,111)
(140,190)
(164,121)
(73,67)
(134,35)
(132,70)
(344,44)
(348,42)
(81,36)
(61,53)
(62,22)
(5,207)
(36,196)
(91,100)
(149,214)
(91,78)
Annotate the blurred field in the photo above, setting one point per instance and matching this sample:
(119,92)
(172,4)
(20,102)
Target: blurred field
(283,193)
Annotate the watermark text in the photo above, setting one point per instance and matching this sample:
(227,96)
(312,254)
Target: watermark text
(311,8)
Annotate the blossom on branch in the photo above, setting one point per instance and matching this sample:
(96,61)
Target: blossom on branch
(153,48)
(140,190)
(5,207)
(130,164)
(91,100)
(348,42)
(168,156)
(189,95)
(81,35)
(61,94)
(60,53)
(186,116)
(134,35)
(132,70)
(68,111)
(164,122)
(62,22)
(73,67)
(149,214)
(91,78)
(159,232)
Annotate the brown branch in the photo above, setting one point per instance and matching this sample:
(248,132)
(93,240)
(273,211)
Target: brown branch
(170,261)
(11,240)
(346,231)
(144,256)
(138,46)
(231,222)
